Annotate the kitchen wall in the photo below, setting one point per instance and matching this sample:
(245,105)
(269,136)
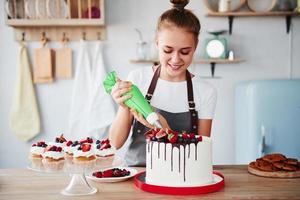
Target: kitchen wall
(270,53)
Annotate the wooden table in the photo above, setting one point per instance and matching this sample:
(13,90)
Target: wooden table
(239,184)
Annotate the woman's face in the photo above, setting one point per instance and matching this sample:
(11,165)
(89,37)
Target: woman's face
(176,48)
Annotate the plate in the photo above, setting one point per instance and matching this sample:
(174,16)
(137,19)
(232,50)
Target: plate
(213,5)
(261,6)
(133,172)
(30,9)
(57,9)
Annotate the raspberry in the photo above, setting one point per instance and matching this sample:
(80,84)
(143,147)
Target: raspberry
(97,174)
(59,149)
(69,143)
(33,145)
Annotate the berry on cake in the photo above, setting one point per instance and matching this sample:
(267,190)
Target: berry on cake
(59,141)
(105,152)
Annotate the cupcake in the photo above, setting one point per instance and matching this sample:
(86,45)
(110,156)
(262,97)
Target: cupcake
(84,157)
(69,149)
(105,152)
(36,151)
(53,158)
(59,141)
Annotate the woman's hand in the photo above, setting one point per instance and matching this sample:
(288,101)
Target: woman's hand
(118,91)
(139,117)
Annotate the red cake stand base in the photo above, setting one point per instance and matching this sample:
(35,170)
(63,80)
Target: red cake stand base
(219,183)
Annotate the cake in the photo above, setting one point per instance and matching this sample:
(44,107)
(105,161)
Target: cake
(53,158)
(36,152)
(105,152)
(178,159)
(84,157)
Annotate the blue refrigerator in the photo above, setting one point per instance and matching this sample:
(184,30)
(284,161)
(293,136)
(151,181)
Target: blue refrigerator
(267,119)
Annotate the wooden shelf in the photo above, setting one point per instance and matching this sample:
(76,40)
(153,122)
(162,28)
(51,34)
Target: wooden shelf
(251,14)
(231,15)
(53,22)
(144,61)
(212,62)
(219,61)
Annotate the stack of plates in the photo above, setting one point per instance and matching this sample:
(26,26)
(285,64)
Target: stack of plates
(46,9)
(213,5)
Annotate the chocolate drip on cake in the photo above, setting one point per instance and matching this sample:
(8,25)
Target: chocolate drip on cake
(165,152)
(179,159)
(172,158)
(151,153)
(158,150)
(196,146)
(184,161)
(189,151)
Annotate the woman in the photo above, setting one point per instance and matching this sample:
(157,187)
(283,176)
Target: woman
(184,102)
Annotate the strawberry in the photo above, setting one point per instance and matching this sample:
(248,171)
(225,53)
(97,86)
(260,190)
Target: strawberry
(33,145)
(108,173)
(185,136)
(172,138)
(69,143)
(192,135)
(200,138)
(86,147)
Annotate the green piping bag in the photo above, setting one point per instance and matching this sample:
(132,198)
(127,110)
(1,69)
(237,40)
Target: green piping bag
(137,101)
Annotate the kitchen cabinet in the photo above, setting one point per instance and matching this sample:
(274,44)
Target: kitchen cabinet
(74,19)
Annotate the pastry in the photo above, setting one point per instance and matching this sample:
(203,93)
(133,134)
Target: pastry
(275,157)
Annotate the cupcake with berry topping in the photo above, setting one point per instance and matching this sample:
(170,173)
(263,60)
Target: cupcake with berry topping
(53,158)
(84,157)
(59,141)
(36,151)
(105,152)
(69,149)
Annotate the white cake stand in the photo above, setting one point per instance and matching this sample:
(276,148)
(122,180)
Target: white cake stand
(78,185)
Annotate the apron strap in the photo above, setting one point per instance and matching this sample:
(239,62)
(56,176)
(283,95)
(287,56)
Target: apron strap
(190,93)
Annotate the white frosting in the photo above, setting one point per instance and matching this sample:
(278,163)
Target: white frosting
(37,150)
(53,154)
(70,149)
(57,144)
(105,152)
(189,165)
(79,153)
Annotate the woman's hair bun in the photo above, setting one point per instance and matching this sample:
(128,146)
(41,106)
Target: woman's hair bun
(179,4)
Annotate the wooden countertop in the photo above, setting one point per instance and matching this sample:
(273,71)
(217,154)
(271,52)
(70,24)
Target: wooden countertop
(22,184)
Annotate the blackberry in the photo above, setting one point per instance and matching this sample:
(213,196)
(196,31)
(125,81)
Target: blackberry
(98,142)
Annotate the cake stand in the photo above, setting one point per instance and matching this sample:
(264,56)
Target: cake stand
(217,184)
(78,185)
